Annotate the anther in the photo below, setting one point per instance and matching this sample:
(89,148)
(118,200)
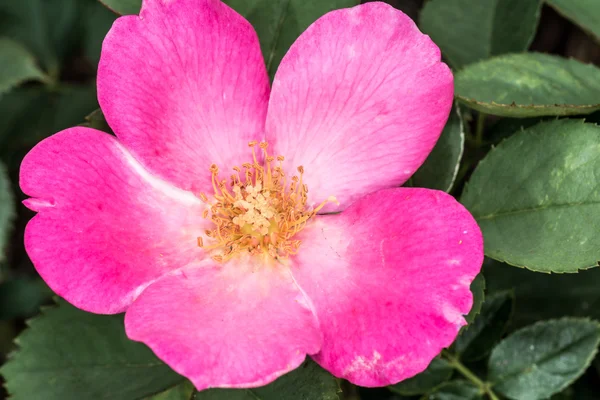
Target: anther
(260,215)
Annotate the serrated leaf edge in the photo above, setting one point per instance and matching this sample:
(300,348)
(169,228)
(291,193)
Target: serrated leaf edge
(461,126)
(587,362)
(480,105)
(481,305)
(504,330)
(485,160)
(12,356)
(569,109)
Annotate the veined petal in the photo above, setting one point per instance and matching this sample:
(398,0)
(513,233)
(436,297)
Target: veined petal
(359,100)
(232,326)
(389,280)
(184,86)
(105,227)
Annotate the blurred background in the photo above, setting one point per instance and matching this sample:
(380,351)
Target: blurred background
(62,39)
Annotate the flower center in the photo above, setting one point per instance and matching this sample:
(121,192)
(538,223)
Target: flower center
(258,212)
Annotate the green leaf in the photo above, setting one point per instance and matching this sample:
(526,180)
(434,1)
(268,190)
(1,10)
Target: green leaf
(536,197)
(545,296)
(506,127)
(95,22)
(123,7)
(309,381)
(58,32)
(8,331)
(14,106)
(22,297)
(69,354)
(468,31)
(7,210)
(542,359)
(438,372)
(441,166)
(477,340)
(529,85)
(45,27)
(17,65)
(183,391)
(96,120)
(478,290)
(53,111)
(455,390)
(278,23)
(585,13)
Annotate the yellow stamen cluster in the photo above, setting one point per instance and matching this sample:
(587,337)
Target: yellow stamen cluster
(257,212)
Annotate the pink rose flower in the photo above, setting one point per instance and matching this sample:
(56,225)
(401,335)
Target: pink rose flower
(232,275)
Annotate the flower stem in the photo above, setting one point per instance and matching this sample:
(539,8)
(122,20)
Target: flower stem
(466,372)
(479,129)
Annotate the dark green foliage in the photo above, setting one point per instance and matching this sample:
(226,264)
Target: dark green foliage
(512,150)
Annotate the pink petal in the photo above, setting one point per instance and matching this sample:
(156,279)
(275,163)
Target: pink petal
(389,280)
(105,228)
(233,325)
(183,86)
(359,101)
